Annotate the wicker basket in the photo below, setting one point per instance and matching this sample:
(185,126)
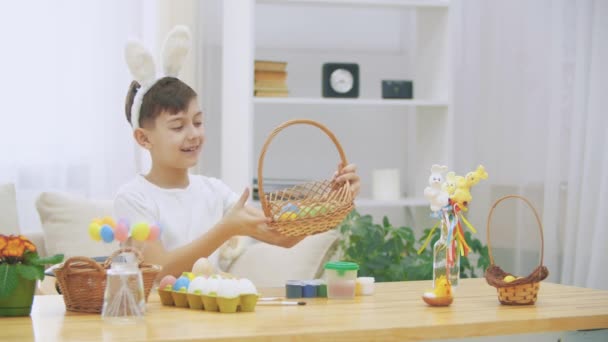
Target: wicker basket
(321,205)
(83,281)
(521,291)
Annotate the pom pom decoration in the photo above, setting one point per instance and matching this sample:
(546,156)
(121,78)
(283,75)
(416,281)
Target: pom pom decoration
(108,230)
(109,221)
(107,234)
(121,232)
(140,231)
(154,232)
(95,231)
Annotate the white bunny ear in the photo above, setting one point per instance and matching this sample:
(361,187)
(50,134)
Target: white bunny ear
(175,49)
(140,62)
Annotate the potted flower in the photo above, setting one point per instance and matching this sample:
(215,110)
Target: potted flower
(20,267)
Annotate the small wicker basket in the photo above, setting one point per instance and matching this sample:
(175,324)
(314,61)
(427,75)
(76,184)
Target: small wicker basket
(521,291)
(321,205)
(83,281)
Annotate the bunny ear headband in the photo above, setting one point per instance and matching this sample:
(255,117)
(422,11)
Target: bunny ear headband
(141,64)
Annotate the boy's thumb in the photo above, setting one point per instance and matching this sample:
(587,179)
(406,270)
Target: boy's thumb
(244,196)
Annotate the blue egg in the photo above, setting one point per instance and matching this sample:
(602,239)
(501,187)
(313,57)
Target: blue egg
(181,282)
(290,207)
(107,234)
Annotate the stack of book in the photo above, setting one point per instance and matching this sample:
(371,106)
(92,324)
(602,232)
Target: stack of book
(270,79)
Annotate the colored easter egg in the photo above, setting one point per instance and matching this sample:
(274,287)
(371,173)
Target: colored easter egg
(188,275)
(203,266)
(181,282)
(288,216)
(121,232)
(509,278)
(98,221)
(107,234)
(321,209)
(109,221)
(167,280)
(154,232)
(95,231)
(305,211)
(290,207)
(140,231)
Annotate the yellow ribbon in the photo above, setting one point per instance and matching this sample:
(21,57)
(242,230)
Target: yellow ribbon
(428,238)
(467,223)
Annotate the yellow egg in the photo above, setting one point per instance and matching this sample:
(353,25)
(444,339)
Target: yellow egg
(509,278)
(288,216)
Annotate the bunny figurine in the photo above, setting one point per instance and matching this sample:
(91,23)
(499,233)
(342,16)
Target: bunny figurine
(433,192)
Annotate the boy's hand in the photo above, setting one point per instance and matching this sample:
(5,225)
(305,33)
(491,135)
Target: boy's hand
(252,222)
(348,174)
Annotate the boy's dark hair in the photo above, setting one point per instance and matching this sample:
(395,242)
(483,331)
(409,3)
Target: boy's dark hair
(168,93)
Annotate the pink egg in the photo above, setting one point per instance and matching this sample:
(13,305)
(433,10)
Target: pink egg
(167,280)
(121,232)
(154,232)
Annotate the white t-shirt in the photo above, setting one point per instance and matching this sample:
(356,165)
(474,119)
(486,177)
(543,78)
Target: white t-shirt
(184,214)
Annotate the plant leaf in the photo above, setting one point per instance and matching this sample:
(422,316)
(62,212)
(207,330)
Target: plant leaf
(31,272)
(8,280)
(55,259)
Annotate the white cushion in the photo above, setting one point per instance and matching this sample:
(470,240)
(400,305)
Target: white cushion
(9,221)
(271,266)
(65,221)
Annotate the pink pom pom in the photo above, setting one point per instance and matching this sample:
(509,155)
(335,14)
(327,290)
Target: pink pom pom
(121,232)
(154,232)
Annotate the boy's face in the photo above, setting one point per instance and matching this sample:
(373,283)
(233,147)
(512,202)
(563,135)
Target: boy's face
(177,139)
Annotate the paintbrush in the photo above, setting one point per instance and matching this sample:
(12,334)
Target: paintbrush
(283,302)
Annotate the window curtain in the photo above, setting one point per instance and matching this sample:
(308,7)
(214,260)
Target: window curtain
(530,85)
(64,82)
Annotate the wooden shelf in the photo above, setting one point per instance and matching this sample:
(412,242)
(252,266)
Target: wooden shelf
(403,202)
(364,3)
(349,102)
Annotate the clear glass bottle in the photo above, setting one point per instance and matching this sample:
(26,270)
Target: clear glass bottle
(440,259)
(124,299)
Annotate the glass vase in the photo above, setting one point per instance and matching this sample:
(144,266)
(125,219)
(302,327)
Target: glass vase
(441,266)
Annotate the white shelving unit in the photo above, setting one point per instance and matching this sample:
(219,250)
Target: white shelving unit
(338,101)
(424,57)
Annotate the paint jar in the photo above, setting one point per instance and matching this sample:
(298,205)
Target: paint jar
(293,289)
(309,289)
(322,288)
(365,286)
(341,279)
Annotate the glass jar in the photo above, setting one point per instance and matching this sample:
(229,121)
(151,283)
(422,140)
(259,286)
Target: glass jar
(441,267)
(124,299)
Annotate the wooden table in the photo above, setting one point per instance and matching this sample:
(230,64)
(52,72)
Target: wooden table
(394,312)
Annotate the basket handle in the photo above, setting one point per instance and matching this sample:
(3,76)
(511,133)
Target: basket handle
(140,257)
(88,261)
(276,131)
(540,226)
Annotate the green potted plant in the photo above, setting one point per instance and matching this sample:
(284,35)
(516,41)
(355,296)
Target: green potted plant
(20,267)
(389,253)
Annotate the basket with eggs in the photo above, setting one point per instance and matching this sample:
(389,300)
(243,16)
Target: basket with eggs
(308,208)
(513,290)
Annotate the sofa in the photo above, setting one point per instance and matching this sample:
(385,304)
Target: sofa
(65,218)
